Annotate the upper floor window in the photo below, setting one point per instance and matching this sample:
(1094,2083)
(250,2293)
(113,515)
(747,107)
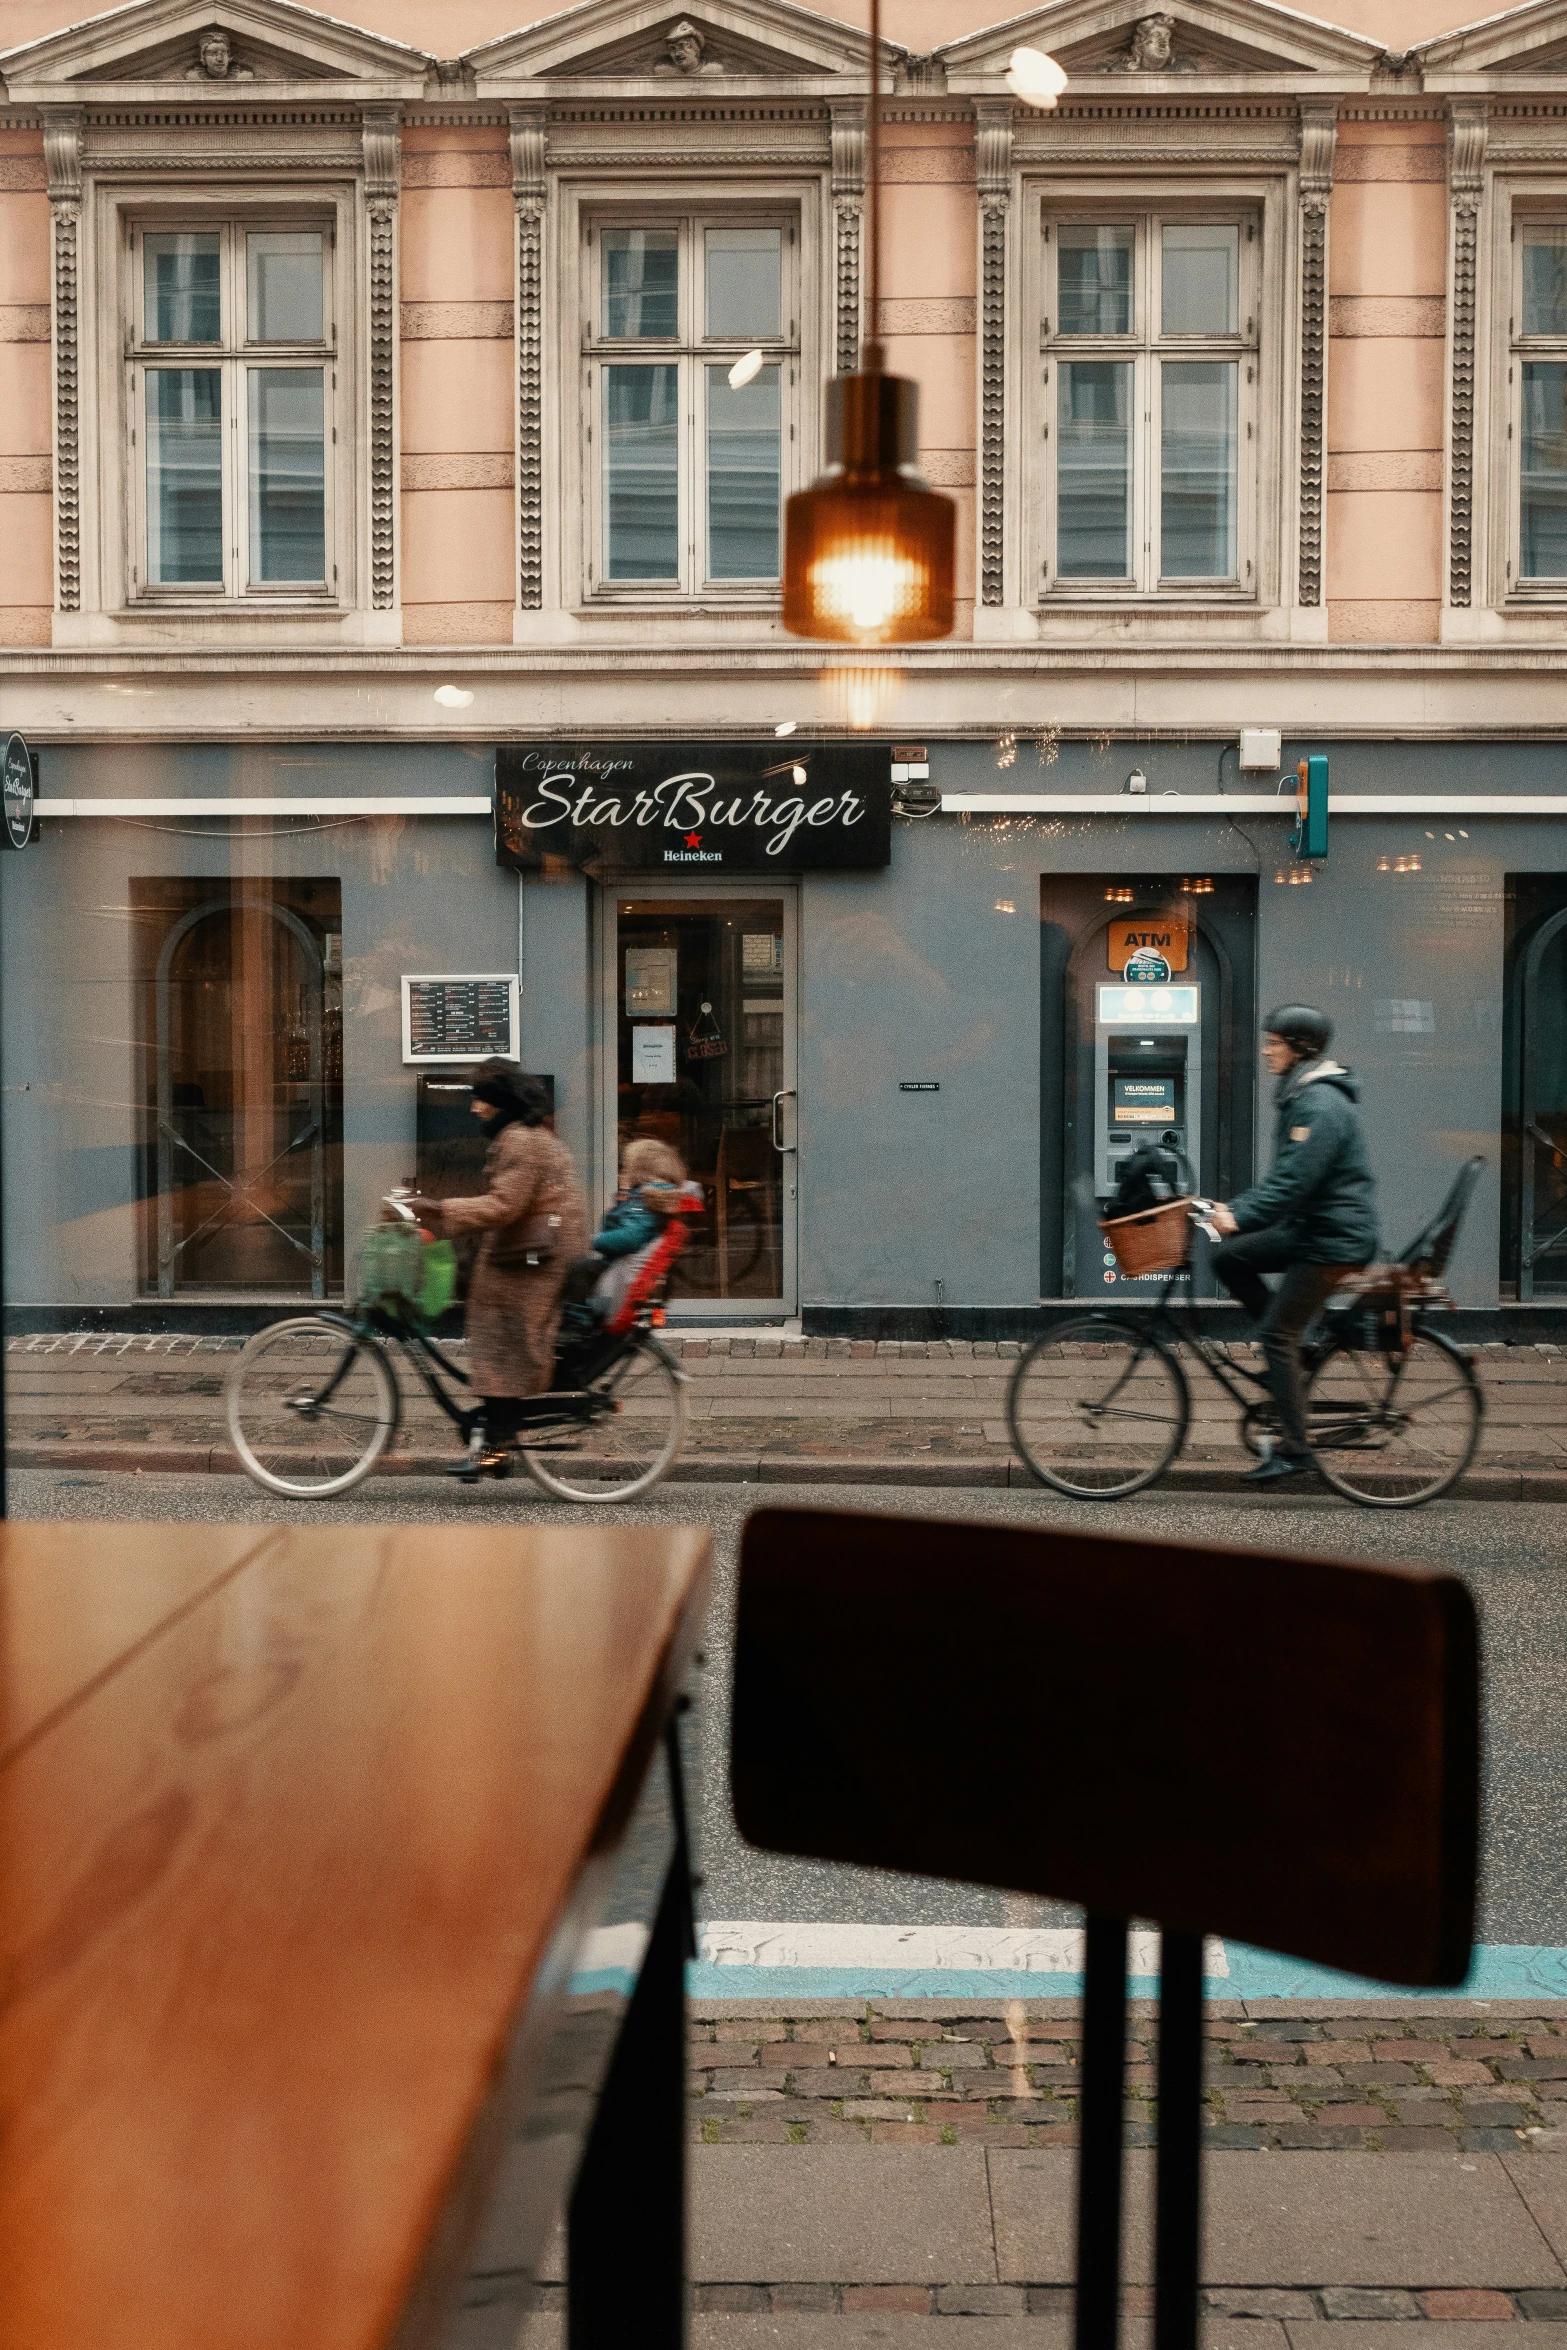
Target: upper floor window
(232,379)
(1150,334)
(1537,378)
(688,449)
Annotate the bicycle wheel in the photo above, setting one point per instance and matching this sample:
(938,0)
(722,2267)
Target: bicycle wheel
(311,1406)
(1098,1408)
(1394,1431)
(628,1439)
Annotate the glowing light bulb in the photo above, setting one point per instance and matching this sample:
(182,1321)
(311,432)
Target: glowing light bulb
(868,587)
(453,697)
(745,371)
(786,726)
(1035,78)
(798,775)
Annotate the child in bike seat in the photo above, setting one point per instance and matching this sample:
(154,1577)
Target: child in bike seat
(653,1189)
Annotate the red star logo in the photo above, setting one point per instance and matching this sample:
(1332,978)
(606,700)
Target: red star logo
(693,840)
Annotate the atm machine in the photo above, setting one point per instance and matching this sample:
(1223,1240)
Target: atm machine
(1147,1072)
(1147,1087)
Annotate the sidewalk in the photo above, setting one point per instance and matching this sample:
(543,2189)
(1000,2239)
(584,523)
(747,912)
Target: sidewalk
(763,1409)
(904,2175)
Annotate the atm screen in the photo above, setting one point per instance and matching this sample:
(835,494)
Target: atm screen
(1144,1101)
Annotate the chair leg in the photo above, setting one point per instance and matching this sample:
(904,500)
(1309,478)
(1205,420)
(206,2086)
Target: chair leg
(1178,2216)
(1100,2135)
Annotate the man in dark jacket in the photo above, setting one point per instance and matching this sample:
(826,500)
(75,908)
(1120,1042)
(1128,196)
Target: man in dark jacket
(1313,1218)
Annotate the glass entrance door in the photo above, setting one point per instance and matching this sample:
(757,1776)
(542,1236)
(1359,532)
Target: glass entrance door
(701,993)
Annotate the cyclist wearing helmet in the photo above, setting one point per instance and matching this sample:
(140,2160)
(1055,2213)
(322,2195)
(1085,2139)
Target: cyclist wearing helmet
(1313,1218)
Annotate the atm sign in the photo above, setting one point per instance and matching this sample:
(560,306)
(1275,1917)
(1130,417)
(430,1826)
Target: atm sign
(1159,934)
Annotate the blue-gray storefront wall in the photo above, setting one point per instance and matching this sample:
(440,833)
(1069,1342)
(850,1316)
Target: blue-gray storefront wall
(928,971)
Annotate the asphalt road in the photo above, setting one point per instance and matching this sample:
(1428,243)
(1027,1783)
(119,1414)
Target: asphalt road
(1513,1556)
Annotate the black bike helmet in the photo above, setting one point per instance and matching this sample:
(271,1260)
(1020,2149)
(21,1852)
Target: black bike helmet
(1301,1026)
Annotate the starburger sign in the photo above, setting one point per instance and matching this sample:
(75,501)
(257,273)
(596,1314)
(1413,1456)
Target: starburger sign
(693,811)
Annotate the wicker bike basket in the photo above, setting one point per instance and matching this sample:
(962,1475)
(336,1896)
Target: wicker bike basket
(1154,1241)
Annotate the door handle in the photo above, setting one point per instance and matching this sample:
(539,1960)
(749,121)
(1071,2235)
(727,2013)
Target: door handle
(785,1093)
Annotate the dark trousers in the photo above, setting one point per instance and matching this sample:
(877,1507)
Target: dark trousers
(1281,1314)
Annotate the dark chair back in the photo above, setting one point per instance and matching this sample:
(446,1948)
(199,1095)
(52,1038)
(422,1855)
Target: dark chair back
(1283,1750)
(1431,1249)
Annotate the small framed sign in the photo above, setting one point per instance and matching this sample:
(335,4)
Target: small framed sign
(460,1015)
(16,794)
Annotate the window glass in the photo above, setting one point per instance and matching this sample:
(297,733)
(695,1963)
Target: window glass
(1543,501)
(1095,276)
(182,286)
(287,475)
(642,472)
(1200,280)
(641,282)
(1545,278)
(1197,465)
(745,283)
(184,474)
(284,269)
(1093,470)
(744,475)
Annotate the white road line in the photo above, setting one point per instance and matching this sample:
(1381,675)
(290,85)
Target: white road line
(1034,1950)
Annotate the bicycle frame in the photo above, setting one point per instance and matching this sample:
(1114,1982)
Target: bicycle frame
(1183,1327)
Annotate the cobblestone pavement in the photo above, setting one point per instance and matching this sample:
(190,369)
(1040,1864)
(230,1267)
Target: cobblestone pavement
(762,1408)
(905,2174)
(1007,2076)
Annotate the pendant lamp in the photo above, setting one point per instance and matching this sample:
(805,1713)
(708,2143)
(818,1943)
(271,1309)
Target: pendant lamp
(869,547)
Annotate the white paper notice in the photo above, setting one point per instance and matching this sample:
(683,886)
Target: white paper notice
(652,1054)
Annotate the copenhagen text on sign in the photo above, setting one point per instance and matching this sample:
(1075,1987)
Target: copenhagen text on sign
(713,807)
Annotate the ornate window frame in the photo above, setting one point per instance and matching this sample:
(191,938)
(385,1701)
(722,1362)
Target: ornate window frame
(110,604)
(571,602)
(1505,166)
(1276,599)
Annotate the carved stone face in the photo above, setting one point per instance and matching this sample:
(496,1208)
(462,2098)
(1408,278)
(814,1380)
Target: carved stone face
(214,54)
(685,52)
(1153,39)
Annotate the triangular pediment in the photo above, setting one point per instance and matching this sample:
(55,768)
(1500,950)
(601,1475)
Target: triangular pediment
(718,44)
(1122,42)
(1523,42)
(220,49)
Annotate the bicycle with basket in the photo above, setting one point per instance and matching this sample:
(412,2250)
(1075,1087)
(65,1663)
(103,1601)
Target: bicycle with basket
(1100,1405)
(313,1402)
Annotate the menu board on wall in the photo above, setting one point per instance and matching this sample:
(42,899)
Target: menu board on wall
(459,1015)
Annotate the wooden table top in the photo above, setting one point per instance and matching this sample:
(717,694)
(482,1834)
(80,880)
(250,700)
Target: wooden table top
(287,1820)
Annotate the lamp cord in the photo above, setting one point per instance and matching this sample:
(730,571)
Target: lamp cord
(871,358)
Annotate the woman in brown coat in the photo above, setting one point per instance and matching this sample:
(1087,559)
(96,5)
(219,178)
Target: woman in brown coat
(534,1221)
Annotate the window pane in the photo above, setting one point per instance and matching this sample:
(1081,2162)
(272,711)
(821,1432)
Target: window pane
(1545,278)
(745,282)
(1094,271)
(1093,470)
(287,475)
(182,291)
(285,274)
(744,475)
(641,282)
(642,472)
(1197,524)
(184,474)
(1201,281)
(1543,534)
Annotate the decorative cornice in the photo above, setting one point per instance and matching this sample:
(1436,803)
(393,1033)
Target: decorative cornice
(63,163)
(530,200)
(993,173)
(848,191)
(382,135)
(1318,136)
(1466,146)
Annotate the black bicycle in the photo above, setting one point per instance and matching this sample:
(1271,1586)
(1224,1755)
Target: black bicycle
(1100,1406)
(314,1402)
